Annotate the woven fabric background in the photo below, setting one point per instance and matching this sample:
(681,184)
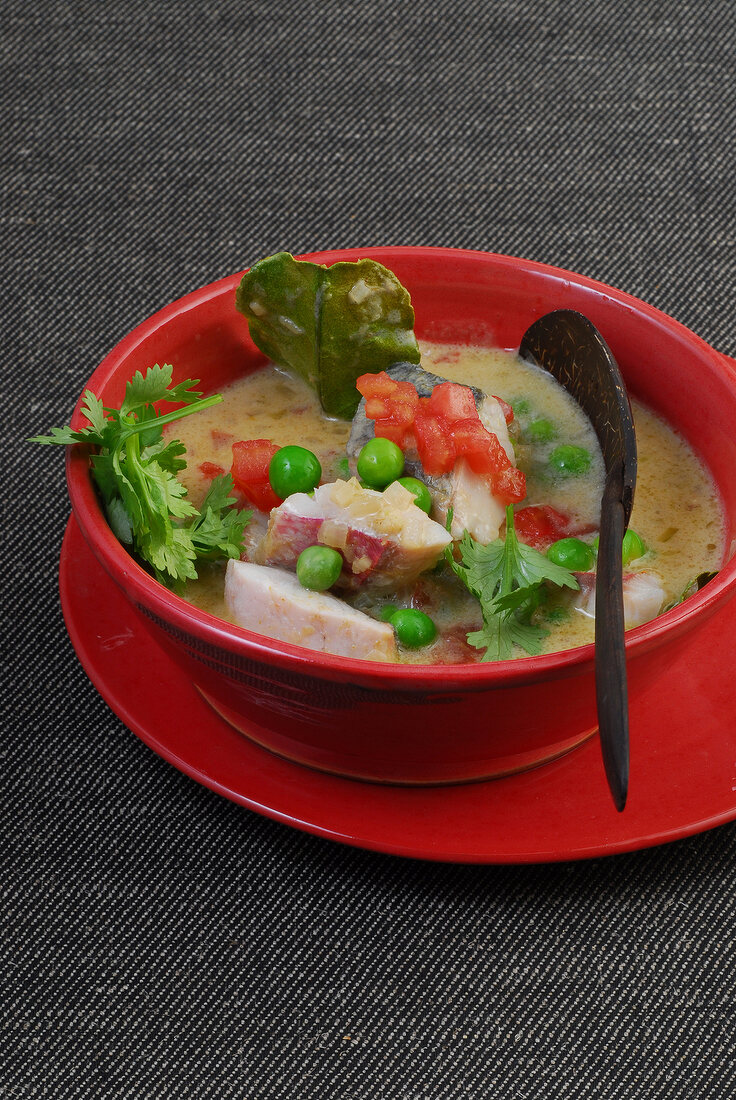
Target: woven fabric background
(161,942)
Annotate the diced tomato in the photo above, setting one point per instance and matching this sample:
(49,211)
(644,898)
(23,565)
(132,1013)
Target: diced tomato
(402,414)
(377,408)
(448,357)
(540,525)
(397,433)
(406,393)
(251,458)
(508,412)
(376,385)
(451,401)
(492,460)
(470,437)
(210,470)
(510,485)
(218,436)
(434,444)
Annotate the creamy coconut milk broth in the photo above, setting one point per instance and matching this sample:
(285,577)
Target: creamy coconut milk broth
(676,509)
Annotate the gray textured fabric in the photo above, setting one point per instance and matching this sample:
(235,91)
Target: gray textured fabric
(160,941)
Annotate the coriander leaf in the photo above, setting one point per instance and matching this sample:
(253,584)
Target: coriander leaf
(507,563)
(95,433)
(184,393)
(217,531)
(507,577)
(105,475)
(166,452)
(220,493)
(219,536)
(134,467)
(93,409)
(146,421)
(500,633)
(328,324)
(145,389)
(155,385)
(520,599)
(66,436)
(119,520)
(166,488)
(173,560)
(493,637)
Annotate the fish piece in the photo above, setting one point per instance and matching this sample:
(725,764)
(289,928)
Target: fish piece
(474,507)
(643,597)
(423,381)
(272,602)
(383,537)
(492,417)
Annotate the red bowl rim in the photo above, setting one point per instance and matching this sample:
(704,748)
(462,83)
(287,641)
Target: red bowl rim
(239,642)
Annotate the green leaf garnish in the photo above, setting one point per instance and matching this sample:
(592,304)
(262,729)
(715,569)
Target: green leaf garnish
(155,385)
(135,468)
(328,324)
(508,579)
(692,587)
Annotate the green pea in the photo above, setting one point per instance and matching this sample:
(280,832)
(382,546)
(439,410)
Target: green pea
(542,431)
(520,407)
(572,554)
(387,612)
(380,462)
(421,493)
(633,546)
(569,460)
(413,628)
(293,470)
(318,567)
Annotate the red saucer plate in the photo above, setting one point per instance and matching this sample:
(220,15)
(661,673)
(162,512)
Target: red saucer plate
(683,754)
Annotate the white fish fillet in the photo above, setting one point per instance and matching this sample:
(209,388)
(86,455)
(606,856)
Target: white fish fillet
(492,418)
(643,597)
(272,602)
(474,507)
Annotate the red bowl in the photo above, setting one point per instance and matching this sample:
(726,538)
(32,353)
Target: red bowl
(421,723)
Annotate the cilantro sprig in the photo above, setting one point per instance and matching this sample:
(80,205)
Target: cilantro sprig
(508,578)
(135,468)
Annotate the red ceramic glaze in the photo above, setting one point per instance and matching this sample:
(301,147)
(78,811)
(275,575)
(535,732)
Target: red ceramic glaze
(422,723)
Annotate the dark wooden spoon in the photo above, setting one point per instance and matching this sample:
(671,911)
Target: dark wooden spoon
(568,346)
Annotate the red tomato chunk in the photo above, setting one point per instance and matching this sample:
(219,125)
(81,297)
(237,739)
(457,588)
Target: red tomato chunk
(210,470)
(251,459)
(540,525)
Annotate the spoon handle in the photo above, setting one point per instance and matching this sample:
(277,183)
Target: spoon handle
(610,663)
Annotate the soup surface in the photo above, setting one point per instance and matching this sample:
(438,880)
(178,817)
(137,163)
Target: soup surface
(676,511)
